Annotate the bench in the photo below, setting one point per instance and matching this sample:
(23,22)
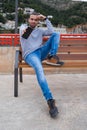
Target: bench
(72,51)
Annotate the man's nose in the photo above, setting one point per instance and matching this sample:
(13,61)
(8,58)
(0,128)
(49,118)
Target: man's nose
(33,20)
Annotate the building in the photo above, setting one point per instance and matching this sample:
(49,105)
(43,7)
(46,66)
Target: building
(8,25)
(28,10)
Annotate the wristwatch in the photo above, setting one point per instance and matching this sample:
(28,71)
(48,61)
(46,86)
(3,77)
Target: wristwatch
(45,18)
(48,17)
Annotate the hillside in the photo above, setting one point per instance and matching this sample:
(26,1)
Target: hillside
(65,12)
(59,4)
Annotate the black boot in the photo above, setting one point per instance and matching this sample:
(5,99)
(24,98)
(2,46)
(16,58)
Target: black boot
(53,109)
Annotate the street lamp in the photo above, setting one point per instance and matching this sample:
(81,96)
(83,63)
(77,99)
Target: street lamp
(16,16)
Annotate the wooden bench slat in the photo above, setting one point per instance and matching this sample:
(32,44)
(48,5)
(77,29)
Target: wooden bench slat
(73,42)
(75,64)
(72,56)
(23,64)
(69,64)
(73,49)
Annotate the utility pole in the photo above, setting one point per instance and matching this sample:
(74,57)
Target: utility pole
(16,16)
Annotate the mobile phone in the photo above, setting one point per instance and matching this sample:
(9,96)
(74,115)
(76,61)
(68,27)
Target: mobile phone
(27,33)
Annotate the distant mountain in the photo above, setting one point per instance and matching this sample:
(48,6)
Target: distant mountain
(59,4)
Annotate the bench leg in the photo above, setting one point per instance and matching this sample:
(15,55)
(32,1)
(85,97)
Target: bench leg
(16,74)
(21,76)
(16,82)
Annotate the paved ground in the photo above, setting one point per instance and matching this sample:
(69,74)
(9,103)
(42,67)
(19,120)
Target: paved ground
(30,112)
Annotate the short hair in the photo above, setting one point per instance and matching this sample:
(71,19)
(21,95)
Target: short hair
(34,13)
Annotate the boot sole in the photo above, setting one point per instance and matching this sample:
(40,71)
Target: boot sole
(52,64)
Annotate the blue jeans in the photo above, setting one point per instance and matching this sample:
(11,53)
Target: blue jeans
(35,58)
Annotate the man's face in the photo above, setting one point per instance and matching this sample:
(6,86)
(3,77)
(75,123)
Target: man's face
(33,20)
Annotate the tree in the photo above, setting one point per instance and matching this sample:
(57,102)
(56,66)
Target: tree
(2,19)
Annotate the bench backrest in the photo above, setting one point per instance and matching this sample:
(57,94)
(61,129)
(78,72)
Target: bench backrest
(73,47)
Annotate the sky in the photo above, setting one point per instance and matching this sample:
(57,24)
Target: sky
(80,0)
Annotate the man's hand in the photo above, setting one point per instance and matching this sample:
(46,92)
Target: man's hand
(41,17)
(23,31)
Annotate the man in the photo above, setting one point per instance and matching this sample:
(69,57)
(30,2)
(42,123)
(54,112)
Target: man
(34,52)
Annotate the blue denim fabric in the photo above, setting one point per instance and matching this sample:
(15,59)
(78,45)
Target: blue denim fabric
(34,59)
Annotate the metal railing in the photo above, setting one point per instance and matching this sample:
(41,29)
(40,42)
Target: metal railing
(9,40)
(14,39)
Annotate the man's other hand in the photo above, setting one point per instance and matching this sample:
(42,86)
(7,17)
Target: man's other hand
(41,17)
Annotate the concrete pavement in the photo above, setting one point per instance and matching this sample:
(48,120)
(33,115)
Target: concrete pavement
(29,111)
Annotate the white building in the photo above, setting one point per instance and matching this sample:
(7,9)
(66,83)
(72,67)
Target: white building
(61,30)
(28,10)
(8,25)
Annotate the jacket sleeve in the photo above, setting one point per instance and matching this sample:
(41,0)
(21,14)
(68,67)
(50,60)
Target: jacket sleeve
(22,28)
(49,29)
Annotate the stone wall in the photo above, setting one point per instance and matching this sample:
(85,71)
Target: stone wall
(7,58)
